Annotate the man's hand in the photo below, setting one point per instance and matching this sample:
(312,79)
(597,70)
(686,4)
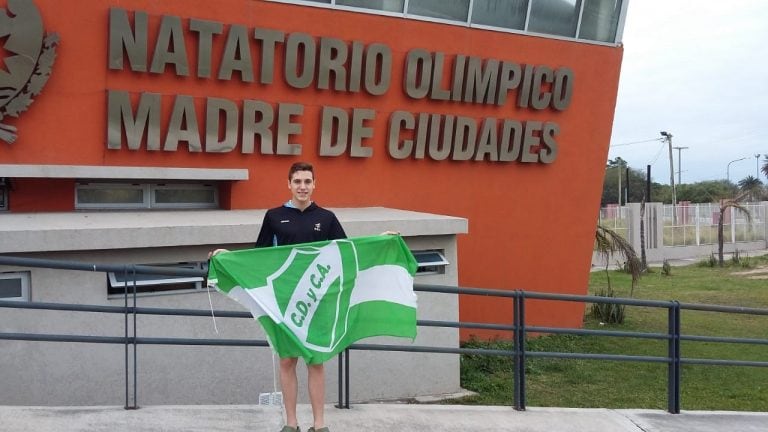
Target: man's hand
(216,251)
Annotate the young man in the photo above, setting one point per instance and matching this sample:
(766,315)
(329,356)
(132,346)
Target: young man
(300,220)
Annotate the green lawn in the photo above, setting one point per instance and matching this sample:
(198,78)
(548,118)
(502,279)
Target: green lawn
(613,384)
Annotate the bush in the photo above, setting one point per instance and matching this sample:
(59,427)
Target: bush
(666,268)
(608,313)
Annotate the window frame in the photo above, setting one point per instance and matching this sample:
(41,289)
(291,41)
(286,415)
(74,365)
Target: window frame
(149,287)
(4,194)
(26,283)
(149,196)
(430,267)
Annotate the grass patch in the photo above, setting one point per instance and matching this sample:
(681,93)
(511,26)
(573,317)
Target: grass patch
(613,384)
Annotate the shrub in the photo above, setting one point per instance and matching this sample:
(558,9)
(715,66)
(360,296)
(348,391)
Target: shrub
(608,313)
(666,268)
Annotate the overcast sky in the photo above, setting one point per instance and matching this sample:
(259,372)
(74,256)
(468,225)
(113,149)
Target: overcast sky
(697,69)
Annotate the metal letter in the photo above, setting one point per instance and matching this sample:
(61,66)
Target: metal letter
(481,87)
(361,132)
(509,79)
(215,108)
(120,118)
(398,121)
(459,70)
(511,140)
(333,55)
(205,31)
(548,152)
(436,151)
(540,99)
(524,95)
(170,34)
(299,44)
(183,115)
(530,140)
(436,92)
(251,126)
(285,128)
(378,63)
(268,38)
(122,37)
(563,91)
(356,66)
(488,143)
(418,65)
(466,136)
(237,55)
(339,118)
(422,128)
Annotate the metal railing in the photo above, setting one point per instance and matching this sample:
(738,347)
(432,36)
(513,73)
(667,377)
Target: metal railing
(519,329)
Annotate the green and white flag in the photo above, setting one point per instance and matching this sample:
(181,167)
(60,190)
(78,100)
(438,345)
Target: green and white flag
(315,299)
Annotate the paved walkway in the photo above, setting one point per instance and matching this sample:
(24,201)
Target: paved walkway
(373,418)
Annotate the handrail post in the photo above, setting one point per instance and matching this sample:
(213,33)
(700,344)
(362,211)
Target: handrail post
(340,379)
(346,379)
(519,350)
(673,348)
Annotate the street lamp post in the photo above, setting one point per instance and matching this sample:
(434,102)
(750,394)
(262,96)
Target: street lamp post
(728,168)
(666,136)
(757,165)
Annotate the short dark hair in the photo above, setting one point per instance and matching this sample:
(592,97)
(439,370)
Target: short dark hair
(301,166)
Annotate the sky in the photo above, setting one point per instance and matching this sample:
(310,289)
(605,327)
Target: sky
(697,69)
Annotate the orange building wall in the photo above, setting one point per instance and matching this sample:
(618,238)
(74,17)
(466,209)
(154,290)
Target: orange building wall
(531,226)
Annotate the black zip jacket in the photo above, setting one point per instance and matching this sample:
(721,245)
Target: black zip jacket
(287,225)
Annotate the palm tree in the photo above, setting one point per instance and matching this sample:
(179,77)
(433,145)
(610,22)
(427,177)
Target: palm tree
(764,169)
(752,187)
(726,204)
(609,242)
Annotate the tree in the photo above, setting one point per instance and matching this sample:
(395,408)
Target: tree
(752,187)
(726,204)
(635,183)
(764,169)
(609,242)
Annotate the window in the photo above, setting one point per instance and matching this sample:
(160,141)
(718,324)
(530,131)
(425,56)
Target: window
(430,262)
(555,17)
(600,20)
(455,10)
(3,194)
(508,14)
(14,286)
(156,283)
(145,195)
(382,5)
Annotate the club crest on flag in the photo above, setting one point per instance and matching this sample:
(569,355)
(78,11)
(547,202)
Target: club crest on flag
(319,298)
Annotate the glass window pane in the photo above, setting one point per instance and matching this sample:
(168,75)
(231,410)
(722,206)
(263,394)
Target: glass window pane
(184,196)
(456,10)
(500,13)
(600,20)
(10,288)
(110,196)
(555,17)
(3,199)
(320,1)
(382,5)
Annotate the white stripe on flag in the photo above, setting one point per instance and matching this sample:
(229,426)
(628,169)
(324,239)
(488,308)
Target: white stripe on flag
(390,283)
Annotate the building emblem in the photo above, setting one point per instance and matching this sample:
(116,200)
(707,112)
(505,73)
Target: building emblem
(26,59)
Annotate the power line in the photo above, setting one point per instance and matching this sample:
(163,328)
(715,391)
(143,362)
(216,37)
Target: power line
(635,142)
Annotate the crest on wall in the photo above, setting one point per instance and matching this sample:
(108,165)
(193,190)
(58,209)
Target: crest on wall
(26,60)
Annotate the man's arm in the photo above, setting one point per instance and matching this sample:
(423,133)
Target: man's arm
(266,234)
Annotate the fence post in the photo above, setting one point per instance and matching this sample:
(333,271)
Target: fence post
(673,371)
(343,379)
(519,350)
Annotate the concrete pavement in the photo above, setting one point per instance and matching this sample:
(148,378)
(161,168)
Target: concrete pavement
(373,418)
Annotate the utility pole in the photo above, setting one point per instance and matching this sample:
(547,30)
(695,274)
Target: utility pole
(666,136)
(757,166)
(679,161)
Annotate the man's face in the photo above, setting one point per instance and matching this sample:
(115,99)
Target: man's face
(302,185)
